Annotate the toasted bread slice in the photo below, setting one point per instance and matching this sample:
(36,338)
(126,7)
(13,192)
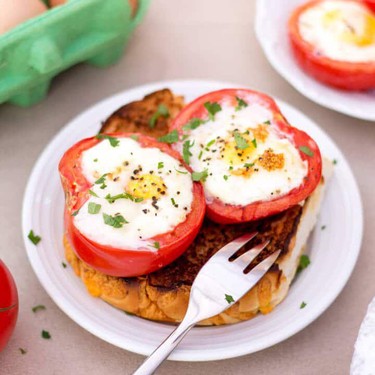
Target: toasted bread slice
(136,117)
(164,295)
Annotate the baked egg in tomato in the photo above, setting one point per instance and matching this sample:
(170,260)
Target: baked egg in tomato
(334,41)
(131,204)
(251,162)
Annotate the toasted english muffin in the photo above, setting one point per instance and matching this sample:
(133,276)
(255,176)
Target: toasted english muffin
(164,294)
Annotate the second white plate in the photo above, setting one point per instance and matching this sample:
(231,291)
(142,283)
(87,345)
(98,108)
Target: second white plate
(318,285)
(271,26)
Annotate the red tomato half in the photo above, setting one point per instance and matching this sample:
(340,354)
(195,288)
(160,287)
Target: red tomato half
(341,74)
(8,305)
(370,4)
(124,262)
(226,213)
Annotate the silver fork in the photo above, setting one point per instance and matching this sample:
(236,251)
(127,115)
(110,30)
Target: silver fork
(218,285)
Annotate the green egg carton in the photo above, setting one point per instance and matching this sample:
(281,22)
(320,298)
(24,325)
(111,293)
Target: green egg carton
(95,31)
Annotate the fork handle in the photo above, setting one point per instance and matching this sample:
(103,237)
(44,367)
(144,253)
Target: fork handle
(163,350)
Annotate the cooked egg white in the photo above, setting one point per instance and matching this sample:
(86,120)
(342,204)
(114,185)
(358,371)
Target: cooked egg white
(262,168)
(157,189)
(341,30)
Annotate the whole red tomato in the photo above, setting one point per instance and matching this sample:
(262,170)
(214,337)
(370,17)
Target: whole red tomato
(8,305)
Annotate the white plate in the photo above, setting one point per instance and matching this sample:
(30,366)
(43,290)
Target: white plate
(271,29)
(318,285)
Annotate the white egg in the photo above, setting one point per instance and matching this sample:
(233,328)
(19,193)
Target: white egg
(245,159)
(157,194)
(341,30)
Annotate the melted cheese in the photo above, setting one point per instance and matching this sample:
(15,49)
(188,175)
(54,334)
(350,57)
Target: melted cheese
(341,30)
(263,168)
(159,196)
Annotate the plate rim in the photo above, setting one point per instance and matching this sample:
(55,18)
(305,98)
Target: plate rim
(182,355)
(318,99)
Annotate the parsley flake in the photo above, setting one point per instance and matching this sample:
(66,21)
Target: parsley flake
(225,177)
(303,305)
(174,202)
(94,208)
(45,334)
(112,198)
(254,142)
(38,308)
(101,181)
(200,155)
(304,262)
(93,194)
(268,122)
(182,172)
(35,239)
(63,264)
(248,165)
(75,213)
(240,104)
(209,144)
(306,150)
(334,161)
(240,141)
(193,124)
(200,176)
(114,142)
(116,221)
(171,137)
(212,109)
(160,165)
(95,160)
(156,245)
(134,137)
(186,151)
(162,111)
(229,298)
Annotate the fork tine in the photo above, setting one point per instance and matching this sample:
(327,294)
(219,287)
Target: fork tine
(259,270)
(230,248)
(249,256)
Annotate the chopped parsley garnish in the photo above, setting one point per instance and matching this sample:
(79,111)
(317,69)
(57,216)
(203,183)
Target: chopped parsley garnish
(114,142)
(22,351)
(94,208)
(306,150)
(240,141)
(182,172)
(75,213)
(304,262)
(323,227)
(162,111)
(63,264)
(35,239)
(160,165)
(226,177)
(116,221)
(186,151)
(156,245)
(254,142)
(303,305)
(134,137)
(229,298)
(38,308)
(200,176)
(174,202)
(93,194)
(212,109)
(46,335)
(171,137)
(334,161)
(240,104)
(209,144)
(112,198)
(268,122)
(200,155)
(193,124)
(95,160)
(249,165)
(101,181)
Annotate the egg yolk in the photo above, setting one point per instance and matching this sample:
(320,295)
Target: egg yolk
(146,186)
(349,34)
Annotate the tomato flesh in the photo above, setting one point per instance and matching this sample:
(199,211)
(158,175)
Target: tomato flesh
(124,262)
(226,213)
(341,74)
(8,305)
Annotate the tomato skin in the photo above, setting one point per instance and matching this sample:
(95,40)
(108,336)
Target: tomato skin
(125,262)
(230,214)
(8,305)
(370,4)
(340,74)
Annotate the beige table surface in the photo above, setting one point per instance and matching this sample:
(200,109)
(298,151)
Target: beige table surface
(210,39)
